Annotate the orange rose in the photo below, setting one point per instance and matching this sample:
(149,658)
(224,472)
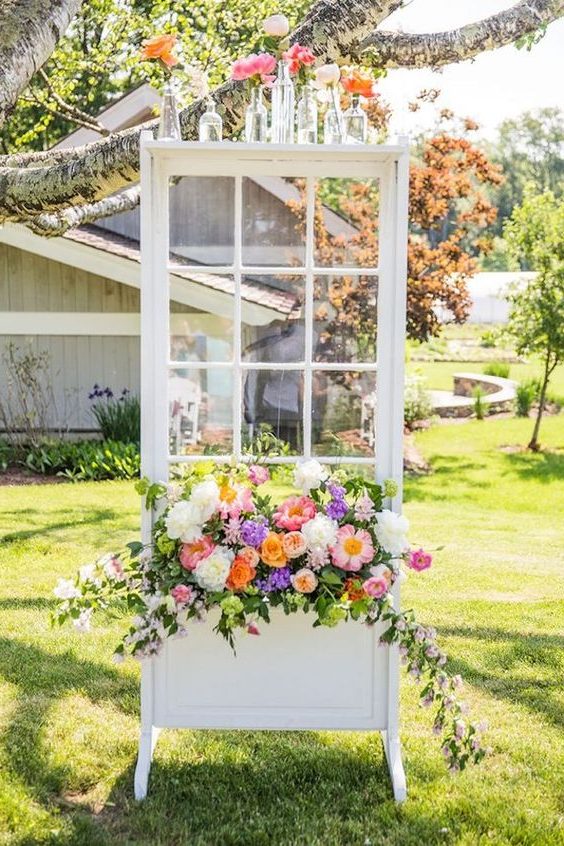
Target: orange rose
(272,551)
(241,573)
(160,47)
(356,83)
(304,581)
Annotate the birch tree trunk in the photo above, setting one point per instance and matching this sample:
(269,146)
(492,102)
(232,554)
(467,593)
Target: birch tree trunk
(55,190)
(29,32)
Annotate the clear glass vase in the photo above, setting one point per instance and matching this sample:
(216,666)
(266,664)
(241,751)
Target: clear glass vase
(210,127)
(256,118)
(169,124)
(333,126)
(307,116)
(283,107)
(356,122)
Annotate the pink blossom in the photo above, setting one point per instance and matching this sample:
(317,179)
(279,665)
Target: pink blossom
(419,560)
(258,474)
(256,66)
(294,512)
(253,629)
(182,594)
(234,500)
(352,549)
(375,586)
(364,508)
(192,553)
(297,56)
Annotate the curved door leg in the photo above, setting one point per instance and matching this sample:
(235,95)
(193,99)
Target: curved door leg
(147,742)
(392,749)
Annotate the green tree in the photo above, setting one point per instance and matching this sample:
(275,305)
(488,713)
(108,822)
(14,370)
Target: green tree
(530,150)
(534,233)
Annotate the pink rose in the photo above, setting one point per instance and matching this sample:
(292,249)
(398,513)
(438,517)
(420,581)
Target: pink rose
(375,586)
(419,560)
(253,629)
(294,512)
(182,594)
(294,544)
(192,553)
(258,474)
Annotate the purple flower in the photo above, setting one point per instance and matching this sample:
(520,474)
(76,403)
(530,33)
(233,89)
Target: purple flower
(279,579)
(336,491)
(337,509)
(254,532)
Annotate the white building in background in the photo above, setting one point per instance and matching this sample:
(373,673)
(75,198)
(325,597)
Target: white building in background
(487,290)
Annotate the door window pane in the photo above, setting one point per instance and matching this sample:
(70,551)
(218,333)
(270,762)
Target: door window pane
(202,219)
(195,333)
(273,328)
(345,315)
(273,405)
(346,223)
(200,411)
(343,413)
(273,228)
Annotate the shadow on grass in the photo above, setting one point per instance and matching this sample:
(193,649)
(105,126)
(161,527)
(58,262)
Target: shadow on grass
(542,467)
(511,650)
(98,515)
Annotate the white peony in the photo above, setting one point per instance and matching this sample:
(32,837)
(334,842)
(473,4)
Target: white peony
(309,474)
(327,75)
(66,589)
(205,496)
(184,521)
(320,532)
(211,573)
(87,573)
(276,26)
(391,530)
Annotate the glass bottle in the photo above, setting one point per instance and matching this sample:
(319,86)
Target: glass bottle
(169,124)
(307,116)
(282,129)
(210,127)
(256,118)
(356,122)
(333,128)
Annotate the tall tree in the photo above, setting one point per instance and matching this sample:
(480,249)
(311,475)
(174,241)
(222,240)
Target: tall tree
(536,319)
(40,188)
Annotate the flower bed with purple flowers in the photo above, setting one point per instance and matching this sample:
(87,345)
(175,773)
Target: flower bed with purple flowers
(219,542)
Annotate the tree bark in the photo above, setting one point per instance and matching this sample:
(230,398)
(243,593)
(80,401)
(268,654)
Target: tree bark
(29,32)
(52,189)
(417,50)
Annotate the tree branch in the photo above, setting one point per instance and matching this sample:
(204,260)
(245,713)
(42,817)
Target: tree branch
(56,224)
(29,32)
(70,111)
(417,50)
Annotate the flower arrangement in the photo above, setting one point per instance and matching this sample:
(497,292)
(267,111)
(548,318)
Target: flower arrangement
(219,541)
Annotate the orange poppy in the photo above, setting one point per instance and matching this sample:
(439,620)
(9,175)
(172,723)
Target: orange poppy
(356,83)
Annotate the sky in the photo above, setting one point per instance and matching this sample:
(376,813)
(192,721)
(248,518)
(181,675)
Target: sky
(495,85)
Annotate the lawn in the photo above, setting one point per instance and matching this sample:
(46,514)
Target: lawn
(69,717)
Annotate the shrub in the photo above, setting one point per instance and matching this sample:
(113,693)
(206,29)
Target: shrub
(480,408)
(85,460)
(27,402)
(525,395)
(497,368)
(417,402)
(119,418)
(490,338)
(6,455)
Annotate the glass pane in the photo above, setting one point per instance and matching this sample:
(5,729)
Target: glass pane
(202,219)
(273,222)
(346,226)
(345,318)
(273,326)
(200,411)
(343,418)
(197,334)
(273,407)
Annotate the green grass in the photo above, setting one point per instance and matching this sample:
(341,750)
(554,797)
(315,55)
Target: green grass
(69,717)
(438,374)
